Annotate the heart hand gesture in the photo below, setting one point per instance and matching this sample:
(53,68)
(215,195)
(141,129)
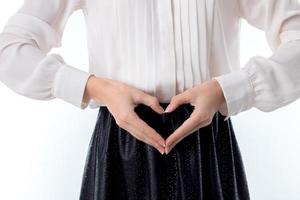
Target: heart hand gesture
(206,99)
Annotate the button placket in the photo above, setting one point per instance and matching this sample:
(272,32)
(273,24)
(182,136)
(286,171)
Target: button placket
(166,76)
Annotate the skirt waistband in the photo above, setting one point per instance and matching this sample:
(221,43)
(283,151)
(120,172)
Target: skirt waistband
(166,122)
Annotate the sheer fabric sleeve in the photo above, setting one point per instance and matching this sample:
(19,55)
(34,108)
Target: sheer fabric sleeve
(27,67)
(266,83)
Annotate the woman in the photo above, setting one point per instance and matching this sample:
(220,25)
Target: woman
(165,76)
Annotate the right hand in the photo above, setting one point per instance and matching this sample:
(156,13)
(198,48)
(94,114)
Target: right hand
(110,92)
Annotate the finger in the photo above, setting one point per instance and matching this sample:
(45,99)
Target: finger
(136,133)
(143,130)
(178,100)
(202,124)
(169,148)
(143,127)
(185,129)
(150,101)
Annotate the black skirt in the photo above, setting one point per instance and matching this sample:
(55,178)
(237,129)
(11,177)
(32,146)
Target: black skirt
(206,164)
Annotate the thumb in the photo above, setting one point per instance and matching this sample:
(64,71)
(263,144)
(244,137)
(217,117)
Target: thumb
(177,101)
(151,101)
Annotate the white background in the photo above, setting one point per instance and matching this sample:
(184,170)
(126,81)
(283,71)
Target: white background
(43,144)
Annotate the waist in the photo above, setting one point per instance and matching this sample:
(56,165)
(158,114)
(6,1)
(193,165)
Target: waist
(179,115)
(165,123)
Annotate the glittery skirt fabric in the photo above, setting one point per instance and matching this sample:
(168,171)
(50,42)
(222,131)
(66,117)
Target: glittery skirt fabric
(205,165)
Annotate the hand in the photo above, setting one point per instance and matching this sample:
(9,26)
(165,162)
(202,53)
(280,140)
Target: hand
(206,99)
(121,99)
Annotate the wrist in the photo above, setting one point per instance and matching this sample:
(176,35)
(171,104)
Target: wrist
(89,88)
(220,94)
(97,88)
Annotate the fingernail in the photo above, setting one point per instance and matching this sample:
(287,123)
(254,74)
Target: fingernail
(167,109)
(166,150)
(162,152)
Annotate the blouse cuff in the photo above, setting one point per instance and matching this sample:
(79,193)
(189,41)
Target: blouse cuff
(237,90)
(69,85)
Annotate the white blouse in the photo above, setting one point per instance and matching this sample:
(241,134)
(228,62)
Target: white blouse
(160,46)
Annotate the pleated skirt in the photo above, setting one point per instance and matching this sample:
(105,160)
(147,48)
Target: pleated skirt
(205,165)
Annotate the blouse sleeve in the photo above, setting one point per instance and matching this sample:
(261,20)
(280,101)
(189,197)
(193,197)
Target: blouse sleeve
(273,82)
(26,67)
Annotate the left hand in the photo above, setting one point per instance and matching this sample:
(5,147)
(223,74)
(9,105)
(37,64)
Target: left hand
(206,99)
